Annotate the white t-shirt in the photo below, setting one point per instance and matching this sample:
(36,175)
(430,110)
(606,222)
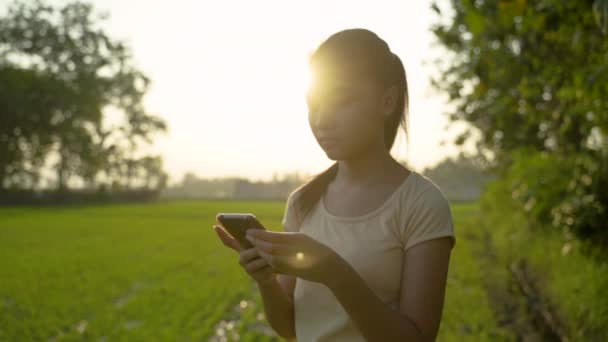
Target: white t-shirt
(373,244)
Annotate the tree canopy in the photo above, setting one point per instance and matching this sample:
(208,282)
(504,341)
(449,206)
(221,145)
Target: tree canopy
(531,78)
(59,74)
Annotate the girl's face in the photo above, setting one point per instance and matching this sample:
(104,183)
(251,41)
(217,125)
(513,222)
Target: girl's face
(346,115)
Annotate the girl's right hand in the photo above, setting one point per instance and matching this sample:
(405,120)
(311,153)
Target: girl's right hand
(249,259)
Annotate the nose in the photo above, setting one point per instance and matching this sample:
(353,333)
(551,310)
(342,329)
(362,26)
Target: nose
(323,118)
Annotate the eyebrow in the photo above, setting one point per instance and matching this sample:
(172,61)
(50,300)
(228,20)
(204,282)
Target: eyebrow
(337,88)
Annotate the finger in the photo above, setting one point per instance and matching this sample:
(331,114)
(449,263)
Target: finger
(256,265)
(274,248)
(225,237)
(278,263)
(246,255)
(269,258)
(228,240)
(267,235)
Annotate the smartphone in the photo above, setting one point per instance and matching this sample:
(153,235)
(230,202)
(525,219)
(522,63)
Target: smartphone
(237,224)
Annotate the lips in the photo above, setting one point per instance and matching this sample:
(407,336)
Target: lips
(327,142)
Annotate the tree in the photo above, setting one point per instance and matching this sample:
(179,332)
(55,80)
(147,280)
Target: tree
(25,127)
(527,73)
(59,72)
(530,76)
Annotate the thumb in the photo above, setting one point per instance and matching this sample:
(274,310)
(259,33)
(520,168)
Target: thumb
(227,240)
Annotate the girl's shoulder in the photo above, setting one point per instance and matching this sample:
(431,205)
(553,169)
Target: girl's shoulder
(421,187)
(425,213)
(293,196)
(291,221)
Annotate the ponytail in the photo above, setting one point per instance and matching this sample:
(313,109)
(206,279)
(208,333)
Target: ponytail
(400,114)
(311,192)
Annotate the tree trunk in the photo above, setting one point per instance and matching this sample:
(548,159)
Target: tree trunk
(61,169)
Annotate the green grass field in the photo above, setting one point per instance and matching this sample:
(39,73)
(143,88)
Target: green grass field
(158,272)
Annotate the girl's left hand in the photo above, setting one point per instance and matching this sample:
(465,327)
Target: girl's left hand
(296,254)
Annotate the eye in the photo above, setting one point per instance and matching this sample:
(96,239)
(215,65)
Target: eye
(329,100)
(337,100)
(312,102)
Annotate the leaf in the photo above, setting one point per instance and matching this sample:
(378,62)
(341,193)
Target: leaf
(600,11)
(475,21)
(435,8)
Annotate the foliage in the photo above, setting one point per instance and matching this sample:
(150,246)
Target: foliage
(530,77)
(571,272)
(59,73)
(559,191)
(527,74)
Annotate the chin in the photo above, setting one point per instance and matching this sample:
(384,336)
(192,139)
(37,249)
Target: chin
(335,154)
(332,157)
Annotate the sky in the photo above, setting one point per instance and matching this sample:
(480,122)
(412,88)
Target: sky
(229,78)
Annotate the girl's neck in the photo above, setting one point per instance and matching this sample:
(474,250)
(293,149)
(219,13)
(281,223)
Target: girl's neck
(369,168)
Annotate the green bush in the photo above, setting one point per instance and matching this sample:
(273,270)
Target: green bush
(521,212)
(566,193)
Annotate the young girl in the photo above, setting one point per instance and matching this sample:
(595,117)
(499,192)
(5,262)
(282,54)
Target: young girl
(367,242)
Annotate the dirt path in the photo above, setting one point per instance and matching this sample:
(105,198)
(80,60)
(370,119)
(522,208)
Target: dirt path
(517,297)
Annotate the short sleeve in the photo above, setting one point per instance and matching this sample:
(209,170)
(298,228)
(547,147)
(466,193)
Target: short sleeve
(430,217)
(289,221)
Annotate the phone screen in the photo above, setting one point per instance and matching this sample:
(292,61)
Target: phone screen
(237,224)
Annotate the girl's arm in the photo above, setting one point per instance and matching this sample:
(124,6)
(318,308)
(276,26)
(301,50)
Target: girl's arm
(277,295)
(422,296)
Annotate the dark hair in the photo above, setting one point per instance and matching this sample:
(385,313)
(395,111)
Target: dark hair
(371,57)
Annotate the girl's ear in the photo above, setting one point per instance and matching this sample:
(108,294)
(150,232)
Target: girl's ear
(389,101)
